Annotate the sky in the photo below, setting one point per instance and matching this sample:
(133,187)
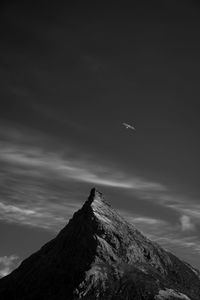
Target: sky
(70,76)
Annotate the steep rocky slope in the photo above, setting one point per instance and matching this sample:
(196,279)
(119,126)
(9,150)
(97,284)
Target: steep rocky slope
(99,255)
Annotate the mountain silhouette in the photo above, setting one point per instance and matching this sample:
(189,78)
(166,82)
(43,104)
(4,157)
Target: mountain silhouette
(99,255)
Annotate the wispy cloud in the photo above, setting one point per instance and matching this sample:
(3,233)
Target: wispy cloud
(75,169)
(186,223)
(142,220)
(28,149)
(8,264)
(39,216)
(184,242)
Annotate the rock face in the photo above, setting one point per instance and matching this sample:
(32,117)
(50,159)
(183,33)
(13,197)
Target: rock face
(99,255)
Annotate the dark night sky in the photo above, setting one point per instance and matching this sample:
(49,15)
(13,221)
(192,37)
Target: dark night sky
(70,76)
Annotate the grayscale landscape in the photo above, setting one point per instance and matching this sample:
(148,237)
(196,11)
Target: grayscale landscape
(100,97)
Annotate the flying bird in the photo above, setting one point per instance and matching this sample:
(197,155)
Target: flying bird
(128,126)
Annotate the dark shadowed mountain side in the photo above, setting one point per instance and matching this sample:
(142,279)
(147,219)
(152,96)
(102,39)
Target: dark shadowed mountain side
(99,255)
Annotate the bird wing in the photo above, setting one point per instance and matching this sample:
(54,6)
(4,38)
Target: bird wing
(128,126)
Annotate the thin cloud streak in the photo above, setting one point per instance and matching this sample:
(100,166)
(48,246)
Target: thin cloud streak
(185,242)
(79,170)
(44,215)
(139,219)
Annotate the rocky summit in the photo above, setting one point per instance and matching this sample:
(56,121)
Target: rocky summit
(99,255)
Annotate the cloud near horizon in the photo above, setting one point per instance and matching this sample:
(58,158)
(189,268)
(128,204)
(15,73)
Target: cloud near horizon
(8,264)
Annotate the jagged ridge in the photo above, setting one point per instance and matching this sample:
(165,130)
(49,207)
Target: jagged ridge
(99,255)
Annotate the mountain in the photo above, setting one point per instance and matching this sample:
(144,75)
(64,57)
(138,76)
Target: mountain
(99,255)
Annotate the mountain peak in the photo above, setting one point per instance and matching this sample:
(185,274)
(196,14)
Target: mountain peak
(97,204)
(99,209)
(94,195)
(99,255)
